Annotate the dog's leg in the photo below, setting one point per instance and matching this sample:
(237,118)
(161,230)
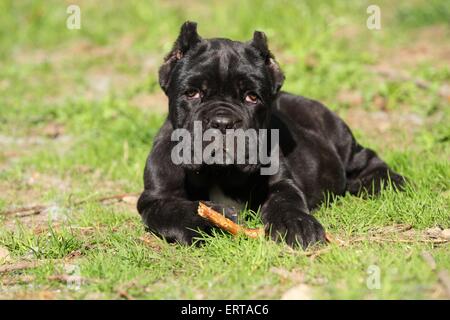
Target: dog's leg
(366,172)
(176,219)
(164,205)
(286,215)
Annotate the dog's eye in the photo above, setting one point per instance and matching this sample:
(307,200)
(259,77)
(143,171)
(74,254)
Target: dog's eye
(251,98)
(193,94)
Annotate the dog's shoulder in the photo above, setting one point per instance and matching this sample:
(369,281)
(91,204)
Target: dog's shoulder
(290,103)
(300,114)
(161,143)
(306,112)
(164,133)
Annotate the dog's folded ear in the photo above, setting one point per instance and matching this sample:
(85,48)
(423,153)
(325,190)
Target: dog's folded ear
(186,40)
(259,42)
(188,37)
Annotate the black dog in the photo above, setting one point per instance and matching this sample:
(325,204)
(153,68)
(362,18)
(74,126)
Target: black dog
(230,85)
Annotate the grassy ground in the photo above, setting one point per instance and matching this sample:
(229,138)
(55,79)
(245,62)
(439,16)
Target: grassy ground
(79,108)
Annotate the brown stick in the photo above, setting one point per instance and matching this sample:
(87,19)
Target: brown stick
(31,210)
(40,208)
(23,265)
(226,224)
(443,275)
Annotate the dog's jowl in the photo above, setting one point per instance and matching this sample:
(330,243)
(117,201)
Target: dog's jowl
(230,88)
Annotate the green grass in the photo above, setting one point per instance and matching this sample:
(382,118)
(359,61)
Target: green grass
(88,82)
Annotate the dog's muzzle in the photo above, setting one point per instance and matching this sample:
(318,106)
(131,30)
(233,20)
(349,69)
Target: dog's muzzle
(222,118)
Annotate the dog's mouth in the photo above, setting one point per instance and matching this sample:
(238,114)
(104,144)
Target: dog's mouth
(233,147)
(223,157)
(225,154)
(222,137)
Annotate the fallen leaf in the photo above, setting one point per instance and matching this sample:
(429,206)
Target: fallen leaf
(73,254)
(312,61)
(95,296)
(151,242)
(299,292)
(445,234)
(434,232)
(286,274)
(46,295)
(350,98)
(380,102)
(130,199)
(53,130)
(4,255)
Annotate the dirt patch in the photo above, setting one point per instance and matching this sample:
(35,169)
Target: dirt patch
(394,128)
(41,217)
(155,102)
(86,70)
(419,50)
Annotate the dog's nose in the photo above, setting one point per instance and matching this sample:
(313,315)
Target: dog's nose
(224,122)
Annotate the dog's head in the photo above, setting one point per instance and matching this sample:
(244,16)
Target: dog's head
(220,83)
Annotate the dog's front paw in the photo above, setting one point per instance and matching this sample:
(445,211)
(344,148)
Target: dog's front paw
(229,212)
(296,228)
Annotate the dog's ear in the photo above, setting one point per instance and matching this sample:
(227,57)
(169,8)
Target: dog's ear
(186,40)
(259,42)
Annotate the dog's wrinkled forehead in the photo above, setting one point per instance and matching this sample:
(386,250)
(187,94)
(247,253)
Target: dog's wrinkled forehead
(218,60)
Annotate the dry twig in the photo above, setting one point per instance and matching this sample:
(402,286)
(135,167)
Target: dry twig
(22,279)
(443,275)
(33,210)
(22,265)
(226,224)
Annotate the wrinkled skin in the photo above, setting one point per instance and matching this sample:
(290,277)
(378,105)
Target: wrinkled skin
(230,84)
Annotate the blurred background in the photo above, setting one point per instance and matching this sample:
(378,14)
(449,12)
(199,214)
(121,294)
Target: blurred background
(99,83)
(79,109)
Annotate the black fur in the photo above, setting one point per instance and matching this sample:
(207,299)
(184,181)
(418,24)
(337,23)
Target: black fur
(318,151)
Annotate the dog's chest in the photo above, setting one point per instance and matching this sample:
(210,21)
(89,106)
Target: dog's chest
(217,195)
